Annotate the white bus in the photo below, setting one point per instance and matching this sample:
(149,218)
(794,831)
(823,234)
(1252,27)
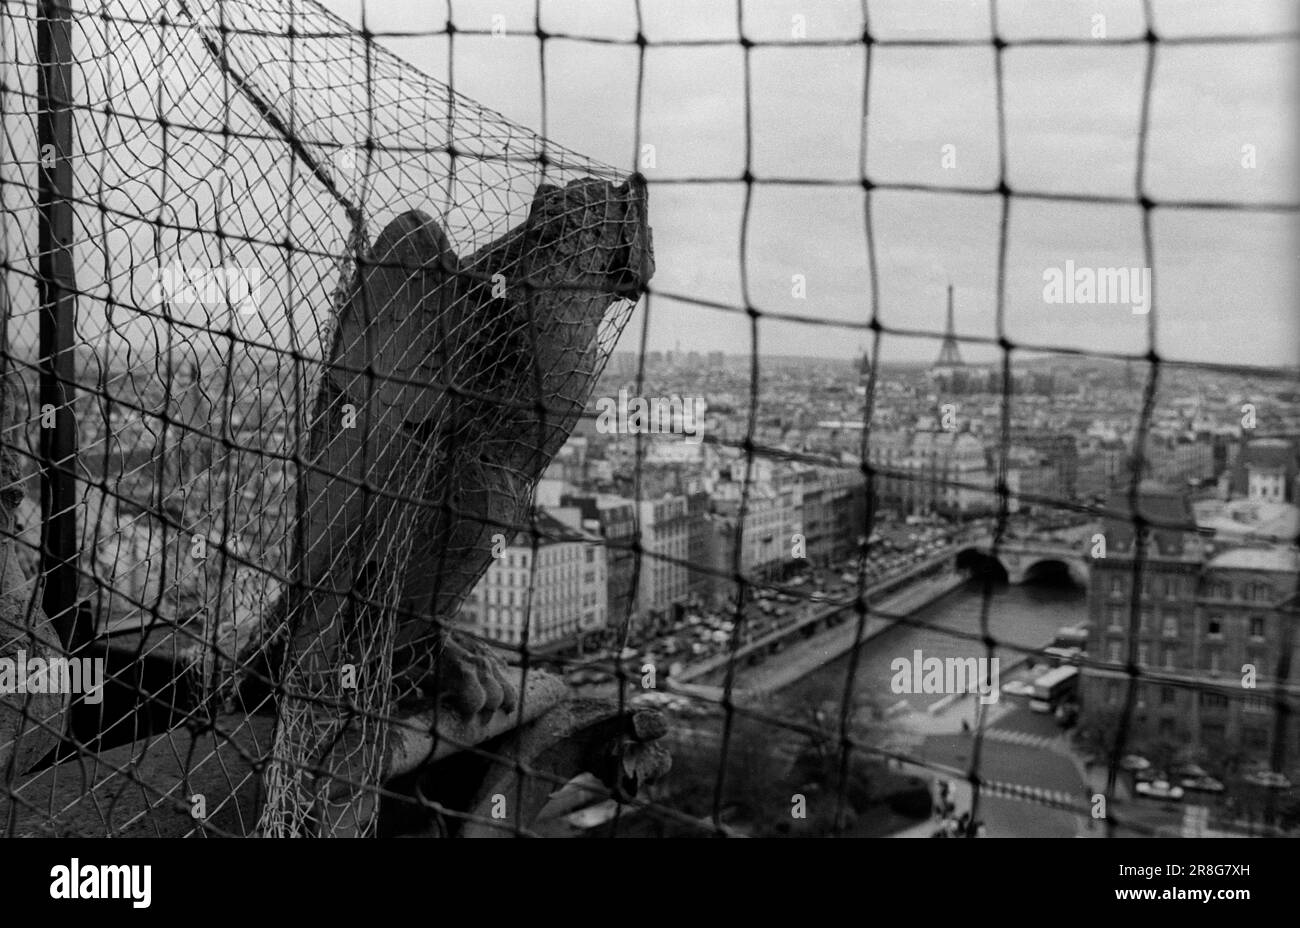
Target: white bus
(1053,687)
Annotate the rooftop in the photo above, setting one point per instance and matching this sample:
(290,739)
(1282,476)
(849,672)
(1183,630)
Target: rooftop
(1242,517)
(1276,559)
(550,531)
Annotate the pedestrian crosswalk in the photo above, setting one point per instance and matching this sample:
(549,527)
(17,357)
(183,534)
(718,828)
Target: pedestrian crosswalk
(1050,797)
(1023,738)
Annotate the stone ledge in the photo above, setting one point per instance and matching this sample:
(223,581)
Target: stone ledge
(557,732)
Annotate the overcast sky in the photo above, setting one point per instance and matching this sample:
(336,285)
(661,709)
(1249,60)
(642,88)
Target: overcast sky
(1225,281)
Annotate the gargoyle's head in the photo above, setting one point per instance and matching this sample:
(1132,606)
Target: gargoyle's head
(602,227)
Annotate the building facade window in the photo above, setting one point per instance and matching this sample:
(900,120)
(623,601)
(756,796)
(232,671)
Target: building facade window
(1215,701)
(1213,732)
(1259,705)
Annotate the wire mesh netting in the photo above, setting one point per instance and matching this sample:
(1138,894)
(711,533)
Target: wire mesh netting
(202,409)
(332,323)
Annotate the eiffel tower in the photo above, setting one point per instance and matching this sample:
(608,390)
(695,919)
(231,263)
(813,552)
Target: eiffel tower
(949,356)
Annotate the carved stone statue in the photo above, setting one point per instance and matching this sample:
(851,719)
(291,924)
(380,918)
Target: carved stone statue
(451,384)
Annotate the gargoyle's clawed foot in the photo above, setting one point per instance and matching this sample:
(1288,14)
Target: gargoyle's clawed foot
(471,679)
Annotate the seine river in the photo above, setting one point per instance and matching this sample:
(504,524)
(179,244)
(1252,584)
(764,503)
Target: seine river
(1026,615)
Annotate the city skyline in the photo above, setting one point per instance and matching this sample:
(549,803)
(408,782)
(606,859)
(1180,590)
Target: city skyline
(1072,127)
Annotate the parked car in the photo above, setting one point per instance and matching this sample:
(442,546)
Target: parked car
(1159,789)
(1134,763)
(1268,779)
(1202,784)
(651,699)
(1018,688)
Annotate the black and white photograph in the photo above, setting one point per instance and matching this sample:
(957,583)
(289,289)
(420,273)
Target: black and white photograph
(606,419)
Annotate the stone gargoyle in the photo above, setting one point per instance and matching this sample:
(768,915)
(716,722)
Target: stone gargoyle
(451,384)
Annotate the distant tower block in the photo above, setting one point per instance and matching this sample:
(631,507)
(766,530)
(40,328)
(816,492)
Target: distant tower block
(864,373)
(949,356)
